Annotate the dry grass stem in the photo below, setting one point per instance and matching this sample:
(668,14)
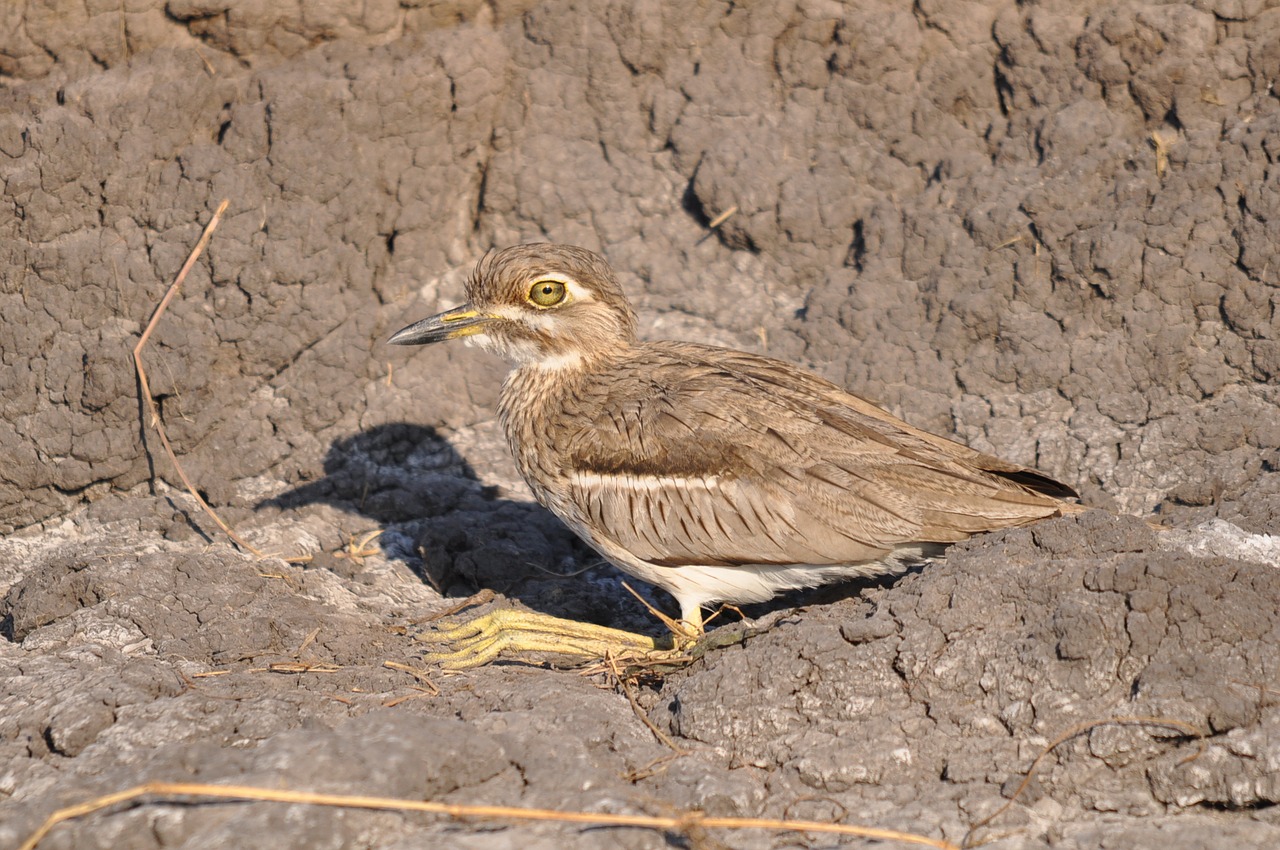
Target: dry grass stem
(421,675)
(296,667)
(359,549)
(145,385)
(675,626)
(623,682)
(684,824)
(482,597)
(307,641)
(419,693)
(722,218)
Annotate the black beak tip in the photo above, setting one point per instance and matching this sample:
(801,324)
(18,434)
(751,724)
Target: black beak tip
(400,337)
(420,333)
(451,324)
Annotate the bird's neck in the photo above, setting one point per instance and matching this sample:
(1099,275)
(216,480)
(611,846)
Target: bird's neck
(539,392)
(547,381)
(570,360)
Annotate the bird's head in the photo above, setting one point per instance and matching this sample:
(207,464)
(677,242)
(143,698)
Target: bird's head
(542,304)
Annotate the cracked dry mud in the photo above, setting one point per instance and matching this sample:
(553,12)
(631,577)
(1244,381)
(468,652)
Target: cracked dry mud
(1047,227)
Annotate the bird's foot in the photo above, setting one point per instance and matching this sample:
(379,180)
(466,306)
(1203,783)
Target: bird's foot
(482,639)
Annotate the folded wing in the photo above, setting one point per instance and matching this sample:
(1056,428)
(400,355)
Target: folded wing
(743,460)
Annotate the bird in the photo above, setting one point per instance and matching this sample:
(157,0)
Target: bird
(721,476)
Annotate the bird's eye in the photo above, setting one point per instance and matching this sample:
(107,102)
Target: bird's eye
(547,293)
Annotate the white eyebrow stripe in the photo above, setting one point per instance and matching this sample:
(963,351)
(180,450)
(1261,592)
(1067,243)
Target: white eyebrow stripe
(576,290)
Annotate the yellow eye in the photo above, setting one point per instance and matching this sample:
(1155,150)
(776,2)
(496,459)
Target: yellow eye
(547,293)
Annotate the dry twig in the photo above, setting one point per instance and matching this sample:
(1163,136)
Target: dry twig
(145,385)
(685,823)
(482,597)
(722,218)
(358,550)
(622,679)
(418,693)
(297,667)
(421,675)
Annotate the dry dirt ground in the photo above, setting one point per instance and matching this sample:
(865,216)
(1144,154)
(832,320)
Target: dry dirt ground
(1047,227)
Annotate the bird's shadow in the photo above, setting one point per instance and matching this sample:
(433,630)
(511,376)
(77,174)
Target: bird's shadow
(461,536)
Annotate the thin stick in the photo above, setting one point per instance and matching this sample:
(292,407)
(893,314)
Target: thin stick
(722,218)
(421,675)
(1080,729)
(685,823)
(146,385)
(620,678)
(672,625)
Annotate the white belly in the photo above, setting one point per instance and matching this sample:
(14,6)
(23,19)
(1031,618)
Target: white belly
(698,585)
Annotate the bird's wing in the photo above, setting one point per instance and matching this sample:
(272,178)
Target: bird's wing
(738,459)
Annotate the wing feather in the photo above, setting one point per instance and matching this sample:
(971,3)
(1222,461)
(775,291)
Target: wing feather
(738,460)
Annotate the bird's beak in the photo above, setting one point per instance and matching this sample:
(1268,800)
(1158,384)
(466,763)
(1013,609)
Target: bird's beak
(451,324)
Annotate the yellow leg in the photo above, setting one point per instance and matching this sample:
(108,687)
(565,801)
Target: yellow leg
(690,623)
(482,639)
